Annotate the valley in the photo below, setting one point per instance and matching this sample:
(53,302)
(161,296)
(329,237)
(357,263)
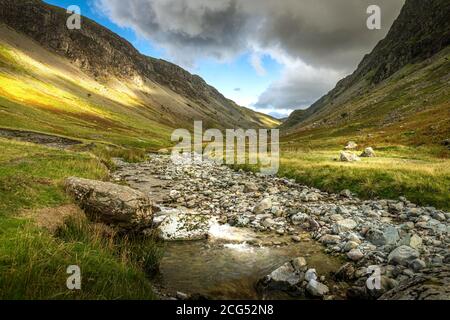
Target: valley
(86,104)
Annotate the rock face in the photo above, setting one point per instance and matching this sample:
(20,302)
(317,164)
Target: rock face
(431,284)
(124,208)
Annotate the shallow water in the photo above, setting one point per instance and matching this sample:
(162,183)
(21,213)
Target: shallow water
(222,269)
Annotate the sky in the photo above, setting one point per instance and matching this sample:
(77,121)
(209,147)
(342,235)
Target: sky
(274,56)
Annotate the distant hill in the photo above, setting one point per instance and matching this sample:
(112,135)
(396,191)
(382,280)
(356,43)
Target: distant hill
(404,81)
(91,82)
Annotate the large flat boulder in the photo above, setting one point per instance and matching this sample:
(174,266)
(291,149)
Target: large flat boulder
(119,206)
(181,225)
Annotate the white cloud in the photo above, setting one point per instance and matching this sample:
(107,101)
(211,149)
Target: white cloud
(257,64)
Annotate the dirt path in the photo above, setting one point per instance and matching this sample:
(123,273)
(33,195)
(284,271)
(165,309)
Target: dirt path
(39,138)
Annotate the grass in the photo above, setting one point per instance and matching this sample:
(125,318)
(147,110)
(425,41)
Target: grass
(33,262)
(419,174)
(422,179)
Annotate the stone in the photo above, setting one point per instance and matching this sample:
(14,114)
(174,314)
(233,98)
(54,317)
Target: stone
(299,264)
(316,289)
(417,265)
(368,153)
(182,226)
(311,274)
(283,278)
(350,245)
(164,151)
(250,187)
(402,255)
(438,216)
(415,242)
(355,255)
(346,272)
(396,207)
(264,205)
(345,225)
(351,145)
(349,157)
(388,236)
(330,239)
(121,207)
(174,194)
(431,284)
(346,193)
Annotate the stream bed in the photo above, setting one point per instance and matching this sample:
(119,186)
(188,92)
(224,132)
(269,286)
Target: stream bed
(218,268)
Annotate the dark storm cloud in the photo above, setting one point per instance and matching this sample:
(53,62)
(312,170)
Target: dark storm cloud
(324,34)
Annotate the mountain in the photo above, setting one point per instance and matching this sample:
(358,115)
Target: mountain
(91,83)
(403,82)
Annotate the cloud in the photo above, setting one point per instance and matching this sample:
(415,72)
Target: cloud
(299,86)
(323,34)
(237,89)
(256,62)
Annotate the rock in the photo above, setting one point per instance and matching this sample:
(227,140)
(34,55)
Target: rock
(402,255)
(350,245)
(345,273)
(183,226)
(284,278)
(355,255)
(396,207)
(299,264)
(351,145)
(311,274)
(389,236)
(417,265)
(415,242)
(344,225)
(164,151)
(296,239)
(431,284)
(349,157)
(299,218)
(264,205)
(438,216)
(119,206)
(330,239)
(250,187)
(316,289)
(346,193)
(368,153)
(181,295)
(174,194)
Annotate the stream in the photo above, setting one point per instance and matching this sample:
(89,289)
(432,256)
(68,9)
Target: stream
(219,269)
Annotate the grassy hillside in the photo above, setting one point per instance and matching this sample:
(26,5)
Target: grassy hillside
(33,260)
(404,118)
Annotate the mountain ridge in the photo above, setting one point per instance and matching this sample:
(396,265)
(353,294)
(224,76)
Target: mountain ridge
(102,54)
(420,32)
